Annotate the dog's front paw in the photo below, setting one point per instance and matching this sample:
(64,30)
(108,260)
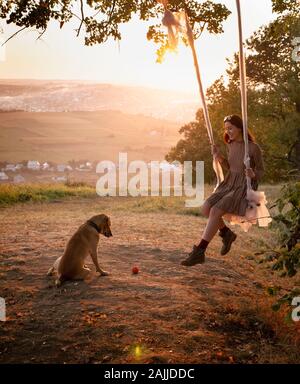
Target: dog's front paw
(103,273)
(50,271)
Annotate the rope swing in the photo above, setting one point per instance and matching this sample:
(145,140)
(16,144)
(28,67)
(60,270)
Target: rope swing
(256,211)
(178,23)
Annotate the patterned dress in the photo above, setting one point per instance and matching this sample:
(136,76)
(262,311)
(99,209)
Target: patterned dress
(230,195)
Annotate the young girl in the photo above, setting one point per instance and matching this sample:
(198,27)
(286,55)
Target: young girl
(230,196)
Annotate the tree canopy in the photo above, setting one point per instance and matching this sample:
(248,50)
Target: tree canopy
(273,97)
(100,20)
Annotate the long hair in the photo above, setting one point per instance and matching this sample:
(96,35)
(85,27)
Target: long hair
(237,122)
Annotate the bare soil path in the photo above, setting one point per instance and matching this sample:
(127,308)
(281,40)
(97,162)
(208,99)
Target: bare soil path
(165,314)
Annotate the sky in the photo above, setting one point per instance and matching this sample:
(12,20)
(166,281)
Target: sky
(61,55)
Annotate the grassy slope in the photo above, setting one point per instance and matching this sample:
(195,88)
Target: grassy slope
(83,135)
(12,194)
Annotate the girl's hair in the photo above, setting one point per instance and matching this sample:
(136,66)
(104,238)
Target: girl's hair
(237,122)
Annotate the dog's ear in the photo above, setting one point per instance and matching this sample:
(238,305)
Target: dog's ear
(106,231)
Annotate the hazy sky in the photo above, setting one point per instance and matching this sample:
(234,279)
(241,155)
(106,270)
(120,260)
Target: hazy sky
(60,55)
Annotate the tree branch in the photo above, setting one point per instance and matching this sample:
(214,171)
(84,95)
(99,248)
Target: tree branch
(82,17)
(14,34)
(111,12)
(41,34)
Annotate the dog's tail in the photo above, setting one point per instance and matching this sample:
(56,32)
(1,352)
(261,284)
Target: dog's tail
(59,281)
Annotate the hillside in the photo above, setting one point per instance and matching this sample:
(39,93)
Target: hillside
(58,136)
(69,96)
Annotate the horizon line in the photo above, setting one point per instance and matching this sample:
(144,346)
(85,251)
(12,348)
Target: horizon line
(96,82)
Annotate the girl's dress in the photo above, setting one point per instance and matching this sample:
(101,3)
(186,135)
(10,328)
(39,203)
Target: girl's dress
(230,195)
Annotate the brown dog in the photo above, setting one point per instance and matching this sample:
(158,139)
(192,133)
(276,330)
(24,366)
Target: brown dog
(84,242)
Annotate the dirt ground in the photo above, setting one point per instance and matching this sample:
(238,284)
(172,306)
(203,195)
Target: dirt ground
(211,313)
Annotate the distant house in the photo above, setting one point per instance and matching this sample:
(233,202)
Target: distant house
(85,167)
(165,166)
(19,179)
(45,166)
(82,169)
(3,176)
(19,166)
(33,164)
(59,178)
(10,167)
(64,167)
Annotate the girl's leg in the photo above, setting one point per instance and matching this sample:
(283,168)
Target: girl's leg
(197,256)
(213,224)
(215,220)
(206,208)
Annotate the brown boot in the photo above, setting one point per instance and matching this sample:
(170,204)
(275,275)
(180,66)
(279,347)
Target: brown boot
(197,256)
(227,239)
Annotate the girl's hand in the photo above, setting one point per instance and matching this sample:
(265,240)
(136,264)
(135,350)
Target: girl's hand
(250,173)
(215,151)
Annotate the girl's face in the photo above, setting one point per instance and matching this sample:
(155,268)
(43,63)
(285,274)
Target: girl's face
(233,132)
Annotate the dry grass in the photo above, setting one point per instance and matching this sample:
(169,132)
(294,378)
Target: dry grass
(12,194)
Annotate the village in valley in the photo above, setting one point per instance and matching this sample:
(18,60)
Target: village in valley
(34,171)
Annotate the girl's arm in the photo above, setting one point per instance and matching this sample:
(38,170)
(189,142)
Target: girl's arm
(224,162)
(218,155)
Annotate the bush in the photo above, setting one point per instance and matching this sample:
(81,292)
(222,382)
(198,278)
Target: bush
(286,258)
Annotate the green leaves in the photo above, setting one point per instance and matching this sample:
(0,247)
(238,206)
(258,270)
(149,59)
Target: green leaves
(286,299)
(272,291)
(281,6)
(100,20)
(194,146)
(287,223)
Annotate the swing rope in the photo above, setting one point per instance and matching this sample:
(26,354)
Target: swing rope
(243,93)
(256,210)
(179,22)
(216,165)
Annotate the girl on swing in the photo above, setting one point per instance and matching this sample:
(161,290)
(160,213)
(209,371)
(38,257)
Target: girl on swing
(230,196)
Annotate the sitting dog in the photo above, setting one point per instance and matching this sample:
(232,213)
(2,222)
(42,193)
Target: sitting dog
(84,242)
